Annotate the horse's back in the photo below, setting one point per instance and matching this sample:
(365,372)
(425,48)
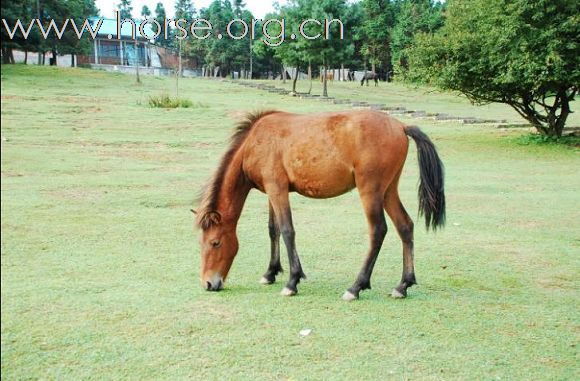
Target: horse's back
(320,155)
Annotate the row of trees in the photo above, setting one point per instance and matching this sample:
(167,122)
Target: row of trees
(44,10)
(377,32)
(518,52)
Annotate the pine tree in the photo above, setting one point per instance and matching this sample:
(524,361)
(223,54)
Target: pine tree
(125,9)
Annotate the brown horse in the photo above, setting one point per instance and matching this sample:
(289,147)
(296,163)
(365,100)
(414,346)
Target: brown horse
(320,156)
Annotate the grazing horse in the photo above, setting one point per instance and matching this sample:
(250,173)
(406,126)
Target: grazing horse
(319,156)
(370,75)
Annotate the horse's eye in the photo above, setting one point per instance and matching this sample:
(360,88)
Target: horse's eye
(216,243)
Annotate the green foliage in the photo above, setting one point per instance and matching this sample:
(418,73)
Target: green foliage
(53,10)
(184,9)
(517,52)
(160,17)
(538,139)
(166,101)
(145,12)
(413,17)
(375,31)
(227,53)
(125,9)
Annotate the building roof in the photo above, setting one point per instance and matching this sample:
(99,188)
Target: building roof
(109,27)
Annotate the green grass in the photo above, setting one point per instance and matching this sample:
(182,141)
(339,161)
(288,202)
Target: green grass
(100,260)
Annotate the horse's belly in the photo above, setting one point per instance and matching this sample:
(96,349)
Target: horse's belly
(316,177)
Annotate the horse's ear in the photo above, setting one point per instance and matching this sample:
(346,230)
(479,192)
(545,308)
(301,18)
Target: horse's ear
(210,219)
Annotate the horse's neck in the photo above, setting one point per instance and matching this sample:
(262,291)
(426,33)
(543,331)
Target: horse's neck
(234,190)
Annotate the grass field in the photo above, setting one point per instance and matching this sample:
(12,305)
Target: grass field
(100,261)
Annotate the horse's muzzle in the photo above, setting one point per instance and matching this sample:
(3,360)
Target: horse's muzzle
(216,285)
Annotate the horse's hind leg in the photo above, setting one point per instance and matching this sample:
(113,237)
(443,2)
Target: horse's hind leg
(281,207)
(274,267)
(404,226)
(373,206)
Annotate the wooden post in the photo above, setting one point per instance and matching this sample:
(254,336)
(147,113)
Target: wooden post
(96,51)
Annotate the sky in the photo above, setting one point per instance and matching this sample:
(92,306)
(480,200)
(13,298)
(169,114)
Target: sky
(259,8)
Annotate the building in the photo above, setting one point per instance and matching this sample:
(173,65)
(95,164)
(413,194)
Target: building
(125,53)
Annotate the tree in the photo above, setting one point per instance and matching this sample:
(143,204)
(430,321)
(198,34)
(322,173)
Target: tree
(184,10)
(11,12)
(125,9)
(412,17)
(79,11)
(325,51)
(145,12)
(375,32)
(160,17)
(226,53)
(521,53)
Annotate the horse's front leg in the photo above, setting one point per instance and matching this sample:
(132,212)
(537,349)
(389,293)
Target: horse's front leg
(283,216)
(274,267)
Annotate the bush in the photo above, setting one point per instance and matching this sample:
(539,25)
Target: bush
(537,139)
(165,101)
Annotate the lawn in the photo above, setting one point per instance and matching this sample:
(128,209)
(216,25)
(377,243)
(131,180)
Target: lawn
(100,260)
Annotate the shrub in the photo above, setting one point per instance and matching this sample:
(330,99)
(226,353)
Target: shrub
(166,101)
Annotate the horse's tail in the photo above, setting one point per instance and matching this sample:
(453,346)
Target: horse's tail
(431,189)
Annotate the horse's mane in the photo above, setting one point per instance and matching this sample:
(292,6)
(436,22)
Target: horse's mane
(207,214)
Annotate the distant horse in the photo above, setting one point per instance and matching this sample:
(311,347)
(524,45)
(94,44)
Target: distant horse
(319,156)
(329,76)
(350,75)
(370,75)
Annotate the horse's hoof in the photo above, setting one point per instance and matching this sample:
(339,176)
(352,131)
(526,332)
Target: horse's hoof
(287,292)
(348,296)
(265,280)
(397,294)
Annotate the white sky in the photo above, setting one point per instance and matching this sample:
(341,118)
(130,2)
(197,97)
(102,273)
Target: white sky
(259,8)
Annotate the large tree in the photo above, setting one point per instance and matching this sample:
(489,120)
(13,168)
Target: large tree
(125,9)
(184,9)
(522,53)
(374,32)
(160,17)
(410,18)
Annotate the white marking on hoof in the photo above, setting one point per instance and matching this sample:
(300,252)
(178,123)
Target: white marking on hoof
(397,295)
(287,292)
(264,280)
(348,296)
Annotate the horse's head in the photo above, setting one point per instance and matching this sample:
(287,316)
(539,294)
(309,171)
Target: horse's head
(219,246)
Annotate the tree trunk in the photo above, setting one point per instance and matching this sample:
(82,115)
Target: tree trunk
(72,60)
(295,80)
(4,55)
(565,111)
(549,124)
(373,66)
(325,82)
(26,57)
(283,74)
(54,58)
(310,76)
(137,63)
(43,58)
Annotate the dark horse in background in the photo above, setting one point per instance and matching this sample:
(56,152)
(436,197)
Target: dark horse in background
(370,75)
(320,156)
